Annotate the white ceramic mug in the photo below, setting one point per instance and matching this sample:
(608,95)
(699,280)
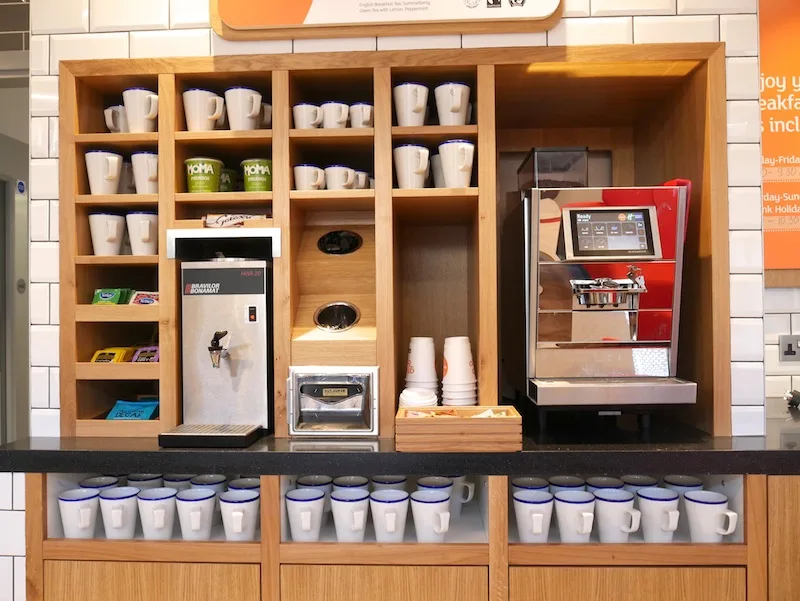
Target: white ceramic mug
(306,116)
(440,483)
(411,165)
(457,158)
(157,511)
(351,482)
(202,109)
(534,512)
(127,181)
(309,177)
(528,483)
(431,511)
(463,492)
(389,513)
(682,484)
(436,170)
(350,507)
(118,507)
(245,484)
(575,514)
(99,482)
(107,231)
(178,481)
(389,483)
(339,177)
(323,483)
(616,517)
(196,512)
(116,119)
(708,512)
(660,515)
(362,114)
(78,508)
(304,508)
(244,108)
(595,483)
(145,481)
(452,103)
(560,483)
(240,514)
(103,169)
(216,482)
(362,180)
(143,233)
(410,104)
(141,110)
(265,118)
(335,115)
(145,172)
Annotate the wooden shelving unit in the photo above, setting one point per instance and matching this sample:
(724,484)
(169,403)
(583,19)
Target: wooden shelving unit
(117,371)
(116,313)
(333,200)
(224,198)
(114,200)
(118,260)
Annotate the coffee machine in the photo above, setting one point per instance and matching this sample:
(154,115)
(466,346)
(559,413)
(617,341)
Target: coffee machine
(591,297)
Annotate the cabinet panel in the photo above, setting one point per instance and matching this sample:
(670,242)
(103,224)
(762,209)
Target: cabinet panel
(627,584)
(387,583)
(127,581)
(784,534)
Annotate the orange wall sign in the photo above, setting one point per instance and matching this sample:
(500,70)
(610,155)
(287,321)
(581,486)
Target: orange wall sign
(780,127)
(273,16)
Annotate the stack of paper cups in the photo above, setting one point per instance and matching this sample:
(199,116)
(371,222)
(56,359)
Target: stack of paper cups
(418,397)
(421,367)
(459,384)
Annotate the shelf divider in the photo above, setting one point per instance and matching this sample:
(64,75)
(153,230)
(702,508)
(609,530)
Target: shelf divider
(116,371)
(116,313)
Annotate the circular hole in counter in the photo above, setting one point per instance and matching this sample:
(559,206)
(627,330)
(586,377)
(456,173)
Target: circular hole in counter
(337,316)
(340,242)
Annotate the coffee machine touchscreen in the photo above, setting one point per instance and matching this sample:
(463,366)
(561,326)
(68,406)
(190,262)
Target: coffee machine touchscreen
(606,233)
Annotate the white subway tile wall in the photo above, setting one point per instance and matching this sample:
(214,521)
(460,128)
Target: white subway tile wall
(140,29)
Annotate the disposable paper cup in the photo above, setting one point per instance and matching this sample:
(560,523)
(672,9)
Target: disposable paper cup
(421,365)
(458,366)
(448,394)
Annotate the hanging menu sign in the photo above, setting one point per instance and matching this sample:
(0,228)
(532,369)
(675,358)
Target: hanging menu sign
(328,18)
(780,126)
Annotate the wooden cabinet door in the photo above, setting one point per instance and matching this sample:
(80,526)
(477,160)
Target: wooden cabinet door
(383,583)
(627,584)
(784,537)
(127,581)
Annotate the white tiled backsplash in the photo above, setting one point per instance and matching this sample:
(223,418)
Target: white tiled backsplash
(150,28)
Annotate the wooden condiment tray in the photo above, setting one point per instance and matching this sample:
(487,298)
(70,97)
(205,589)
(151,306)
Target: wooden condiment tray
(454,429)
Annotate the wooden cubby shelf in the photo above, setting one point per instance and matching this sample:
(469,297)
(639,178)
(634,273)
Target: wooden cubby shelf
(120,260)
(100,427)
(631,554)
(436,205)
(233,137)
(121,140)
(117,371)
(107,200)
(384,554)
(224,198)
(434,134)
(156,551)
(116,313)
(333,200)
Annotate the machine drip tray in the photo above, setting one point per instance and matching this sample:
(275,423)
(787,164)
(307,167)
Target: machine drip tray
(194,436)
(612,392)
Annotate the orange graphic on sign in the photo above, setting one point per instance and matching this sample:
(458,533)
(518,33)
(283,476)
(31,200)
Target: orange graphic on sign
(780,127)
(244,14)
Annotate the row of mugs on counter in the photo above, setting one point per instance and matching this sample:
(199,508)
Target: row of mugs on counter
(437,500)
(415,166)
(239,109)
(108,231)
(199,501)
(110,173)
(620,507)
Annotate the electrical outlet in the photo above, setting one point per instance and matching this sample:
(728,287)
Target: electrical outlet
(789,348)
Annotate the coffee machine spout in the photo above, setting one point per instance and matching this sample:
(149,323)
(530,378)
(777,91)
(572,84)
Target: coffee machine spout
(216,350)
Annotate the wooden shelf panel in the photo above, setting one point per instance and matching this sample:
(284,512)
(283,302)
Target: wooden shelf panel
(191,224)
(121,140)
(436,205)
(412,554)
(334,200)
(226,198)
(117,371)
(434,134)
(120,260)
(361,137)
(631,554)
(224,135)
(116,313)
(139,200)
(151,551)
(101,428)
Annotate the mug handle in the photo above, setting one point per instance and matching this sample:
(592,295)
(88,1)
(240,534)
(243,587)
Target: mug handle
(586,523)
(444,523)
(238,521)
(194,519)
(217,106)
(318,119)
(153,112)
(111,230)
(419,105)
(467,157)
(470,488)
(733,519)
(116,517)
(350,180)
(424,156)
(538,523)
(144,230)
(84,517)
(110,113)
(305,520)
(160,515)
(457,96)
(266,117)
(672,521)
(636,518)
(367,114)
(113,167)
(391,521)
(359,520)
(256,108)
(320,180)
(345,114)
(152,170)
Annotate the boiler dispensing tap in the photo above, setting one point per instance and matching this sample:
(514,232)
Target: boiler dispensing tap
(216,350)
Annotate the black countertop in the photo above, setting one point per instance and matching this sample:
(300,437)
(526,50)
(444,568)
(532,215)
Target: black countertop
(668,449)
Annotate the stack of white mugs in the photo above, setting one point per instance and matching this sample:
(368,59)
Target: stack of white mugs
(435,504)
(459,383)
(619,508)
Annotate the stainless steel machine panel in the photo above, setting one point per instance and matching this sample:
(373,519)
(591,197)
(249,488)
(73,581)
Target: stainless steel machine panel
(225,342)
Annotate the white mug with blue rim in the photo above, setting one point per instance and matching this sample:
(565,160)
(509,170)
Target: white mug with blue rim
(304,507)
(533,509)
(389,512)
(157,510)
(240,513)
(78,508)
(350,508)
(118,507)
